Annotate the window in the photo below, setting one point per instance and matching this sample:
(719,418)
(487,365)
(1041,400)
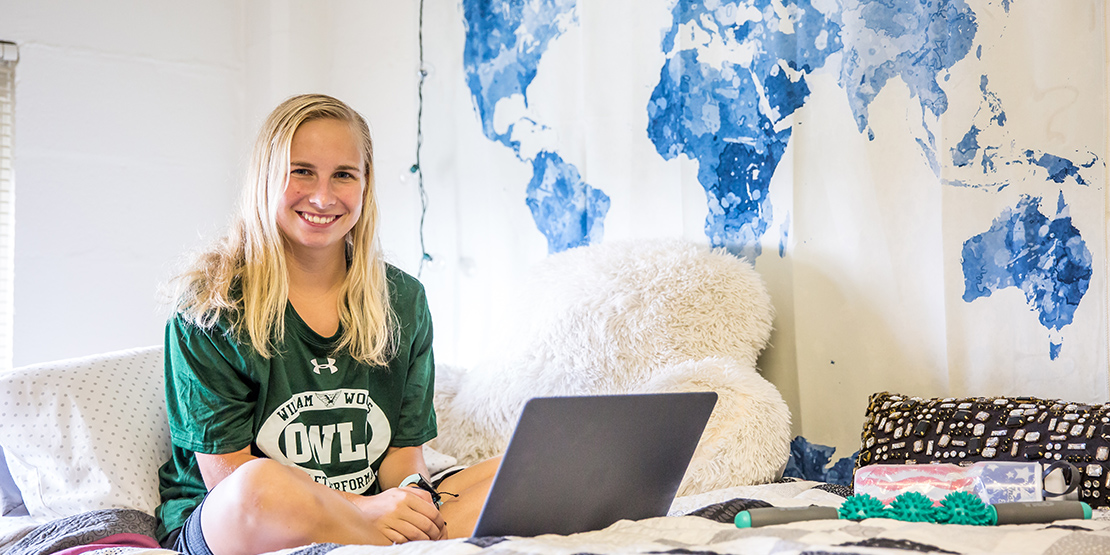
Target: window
(9,55)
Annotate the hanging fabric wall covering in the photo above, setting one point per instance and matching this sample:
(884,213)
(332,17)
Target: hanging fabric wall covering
(922,183)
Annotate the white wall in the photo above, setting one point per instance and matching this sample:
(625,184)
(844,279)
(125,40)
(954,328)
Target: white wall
(133,123)
(129,134)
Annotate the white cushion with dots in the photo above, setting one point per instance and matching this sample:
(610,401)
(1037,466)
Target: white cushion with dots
(88,433)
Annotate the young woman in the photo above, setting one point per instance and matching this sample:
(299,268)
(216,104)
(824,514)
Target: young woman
(299,366)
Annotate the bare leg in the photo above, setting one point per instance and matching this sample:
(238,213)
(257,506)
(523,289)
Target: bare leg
(471,486)
(264,506)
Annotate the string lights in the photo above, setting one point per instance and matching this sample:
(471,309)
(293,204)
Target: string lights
(417,168)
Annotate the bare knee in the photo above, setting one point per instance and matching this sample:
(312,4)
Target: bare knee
(261,501)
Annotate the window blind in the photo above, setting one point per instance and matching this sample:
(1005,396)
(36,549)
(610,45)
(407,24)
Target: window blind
(9,56)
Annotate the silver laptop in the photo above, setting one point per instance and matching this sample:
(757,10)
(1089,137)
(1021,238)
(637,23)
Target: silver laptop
(576,464)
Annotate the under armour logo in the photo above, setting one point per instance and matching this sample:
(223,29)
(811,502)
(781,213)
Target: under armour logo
(330,365)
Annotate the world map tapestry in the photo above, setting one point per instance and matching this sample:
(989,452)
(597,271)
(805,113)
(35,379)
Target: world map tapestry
(920,182)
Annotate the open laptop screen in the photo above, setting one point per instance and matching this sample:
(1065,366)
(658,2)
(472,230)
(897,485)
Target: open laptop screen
(576,464)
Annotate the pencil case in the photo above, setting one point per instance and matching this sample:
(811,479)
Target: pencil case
(993,482)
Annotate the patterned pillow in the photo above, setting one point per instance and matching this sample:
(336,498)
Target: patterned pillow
(86,434)
(899,429)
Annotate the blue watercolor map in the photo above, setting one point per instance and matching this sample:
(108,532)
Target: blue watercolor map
(715,114)
(1047,259)
(733,116)
(504,44)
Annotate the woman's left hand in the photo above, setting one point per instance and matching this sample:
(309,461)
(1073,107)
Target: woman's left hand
(404,514)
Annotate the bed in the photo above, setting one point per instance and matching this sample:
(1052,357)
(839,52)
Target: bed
(679,533)
(83,439)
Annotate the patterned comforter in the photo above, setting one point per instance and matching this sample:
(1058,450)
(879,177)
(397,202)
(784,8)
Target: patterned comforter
(697,525)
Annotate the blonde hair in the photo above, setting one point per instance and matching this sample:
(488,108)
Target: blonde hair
(243,279)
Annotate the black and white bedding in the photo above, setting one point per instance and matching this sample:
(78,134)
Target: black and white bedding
(681,533)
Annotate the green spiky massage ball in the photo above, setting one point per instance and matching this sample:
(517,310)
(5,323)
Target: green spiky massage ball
(961,507)
(912,506)
(859,507)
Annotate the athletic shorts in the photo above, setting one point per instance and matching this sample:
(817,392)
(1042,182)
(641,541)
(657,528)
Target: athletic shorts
(189,539)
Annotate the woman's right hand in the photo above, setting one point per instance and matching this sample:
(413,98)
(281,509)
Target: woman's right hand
(403,514)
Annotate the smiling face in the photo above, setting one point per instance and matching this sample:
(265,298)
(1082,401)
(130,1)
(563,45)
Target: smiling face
(324,196)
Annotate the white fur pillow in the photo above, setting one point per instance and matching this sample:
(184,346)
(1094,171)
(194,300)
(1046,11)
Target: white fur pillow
(87,433)
(632,317)
(747,439)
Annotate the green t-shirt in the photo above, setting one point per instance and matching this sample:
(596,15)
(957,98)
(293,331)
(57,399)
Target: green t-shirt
(308,406)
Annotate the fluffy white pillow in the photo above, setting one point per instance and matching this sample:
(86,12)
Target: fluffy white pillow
(631,317)
(86,434)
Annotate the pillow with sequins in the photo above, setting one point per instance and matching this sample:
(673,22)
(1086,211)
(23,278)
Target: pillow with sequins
(900,429)
(86,434)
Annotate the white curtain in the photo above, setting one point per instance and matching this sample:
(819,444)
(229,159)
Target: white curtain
(9,55)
